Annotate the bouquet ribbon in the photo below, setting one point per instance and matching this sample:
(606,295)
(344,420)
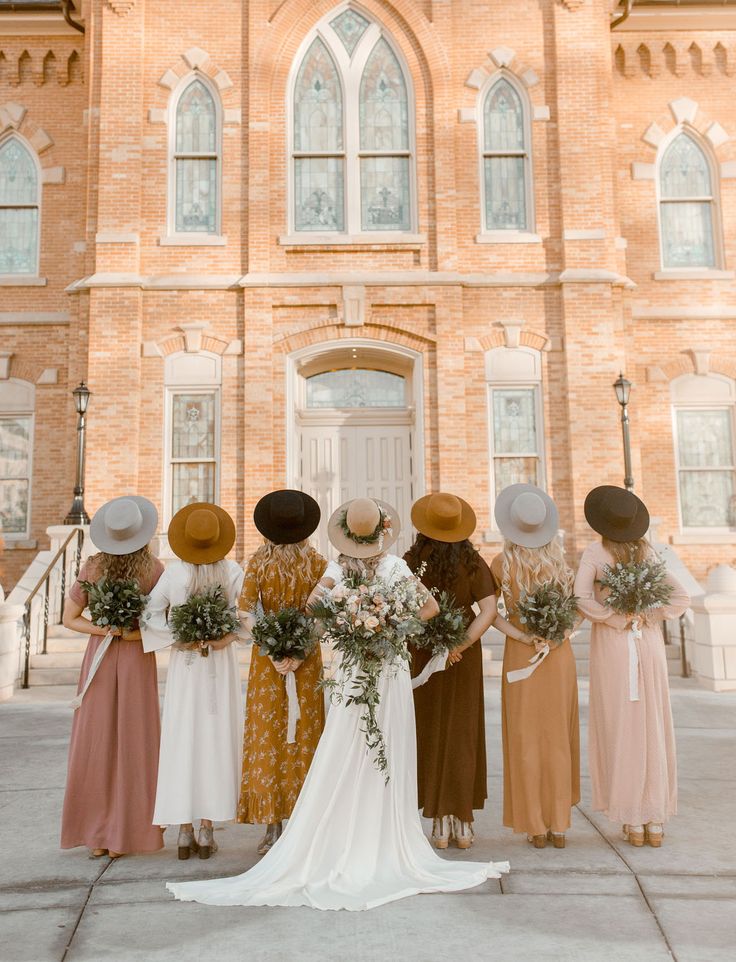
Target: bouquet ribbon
(294,710)
(534,662)
(96,662)
(633,640)
(437,662)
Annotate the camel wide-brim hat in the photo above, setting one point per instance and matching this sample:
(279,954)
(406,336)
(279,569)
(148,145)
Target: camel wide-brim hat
(286,516)
(201,533)
(526,515)
(363,527)
(124,525)
(443,517)
(616,513)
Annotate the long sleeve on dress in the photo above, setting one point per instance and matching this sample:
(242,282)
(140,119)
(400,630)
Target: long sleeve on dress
(249,594)
(679,602)
(585,592)
(155,632)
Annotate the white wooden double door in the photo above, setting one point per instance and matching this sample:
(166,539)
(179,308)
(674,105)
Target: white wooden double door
(350,458)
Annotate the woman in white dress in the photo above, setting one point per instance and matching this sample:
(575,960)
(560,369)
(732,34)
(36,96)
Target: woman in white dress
(199,761)
(354,840)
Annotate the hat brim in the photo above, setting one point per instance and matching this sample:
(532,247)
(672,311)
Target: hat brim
(348,547)
(598,518)
(511,531)
(460,532)
(140,539)
(184,549)
(280,534)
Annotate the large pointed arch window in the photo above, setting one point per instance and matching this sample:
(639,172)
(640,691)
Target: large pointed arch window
(506,173)
(687,206)
(351,131)
(195,200)
(19,208)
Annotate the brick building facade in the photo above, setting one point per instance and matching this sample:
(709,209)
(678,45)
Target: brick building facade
(481,211)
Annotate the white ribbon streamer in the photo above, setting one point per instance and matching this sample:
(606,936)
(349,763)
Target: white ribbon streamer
(212,681)
(534,662)
(633,639)
(294,710)
(96,661)
(437,662)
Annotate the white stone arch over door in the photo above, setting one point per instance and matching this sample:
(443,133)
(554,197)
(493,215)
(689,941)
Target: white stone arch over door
(339,453)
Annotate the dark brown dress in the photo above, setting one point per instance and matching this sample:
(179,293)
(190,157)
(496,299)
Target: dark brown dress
(450,716)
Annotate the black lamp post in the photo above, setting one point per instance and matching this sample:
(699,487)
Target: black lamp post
(77,514)
(622,387)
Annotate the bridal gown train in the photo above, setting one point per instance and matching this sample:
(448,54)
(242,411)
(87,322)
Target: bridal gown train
(353,841)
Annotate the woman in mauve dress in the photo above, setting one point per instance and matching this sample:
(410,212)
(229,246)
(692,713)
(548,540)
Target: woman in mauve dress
(113,753)
(631,745)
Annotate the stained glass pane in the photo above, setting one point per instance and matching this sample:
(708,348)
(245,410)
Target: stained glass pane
(18,240)
(503,117)
(193,426)
(684,171)
(317,102)
(318,190)
(687,234)
(514,421)
(13,506)
(196,195)
(355,389)
(18,174)
(384,111)
(505,193)
(384,193)
(15,453)
(350,27)
(707,499)
(704,439)
(192,482)
(196,121)
(508,471)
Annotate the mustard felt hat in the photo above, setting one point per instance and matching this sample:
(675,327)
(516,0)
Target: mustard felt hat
(201,533)
(444,517)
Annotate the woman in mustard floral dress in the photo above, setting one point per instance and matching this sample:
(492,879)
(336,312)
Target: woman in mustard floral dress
(281,574)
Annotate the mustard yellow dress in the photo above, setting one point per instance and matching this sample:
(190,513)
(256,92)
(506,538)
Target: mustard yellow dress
(274,771)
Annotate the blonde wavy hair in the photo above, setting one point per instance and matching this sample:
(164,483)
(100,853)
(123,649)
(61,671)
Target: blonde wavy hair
(528,568)
(202,577)
(289,560)
(625,551)
(135,566)
(362,567)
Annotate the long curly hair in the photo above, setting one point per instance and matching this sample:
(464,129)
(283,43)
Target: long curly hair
(528,568)
(289,560)
(624,551)
(202,577)
(136,566)
(443,560)
(362,567)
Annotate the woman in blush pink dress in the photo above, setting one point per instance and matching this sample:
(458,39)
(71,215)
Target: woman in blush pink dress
(113,754)
(632,759)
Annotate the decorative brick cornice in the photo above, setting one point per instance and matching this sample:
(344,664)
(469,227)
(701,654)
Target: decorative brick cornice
(572,4)
(121,7)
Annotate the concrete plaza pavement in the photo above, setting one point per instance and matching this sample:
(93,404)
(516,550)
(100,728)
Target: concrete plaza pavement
(599,899)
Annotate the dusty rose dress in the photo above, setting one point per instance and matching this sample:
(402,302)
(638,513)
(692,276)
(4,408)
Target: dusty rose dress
(113,753)
(631,744)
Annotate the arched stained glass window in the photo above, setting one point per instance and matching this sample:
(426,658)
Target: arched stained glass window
(356,388)
(19,209)
(505,159)
(686,202)
(196,158)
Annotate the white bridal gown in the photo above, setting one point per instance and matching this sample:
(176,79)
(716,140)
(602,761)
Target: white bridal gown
(352,842)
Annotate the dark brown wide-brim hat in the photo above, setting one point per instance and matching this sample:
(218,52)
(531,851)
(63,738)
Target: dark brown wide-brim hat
(616,513)
(286,516)
(443,517)
(201,533)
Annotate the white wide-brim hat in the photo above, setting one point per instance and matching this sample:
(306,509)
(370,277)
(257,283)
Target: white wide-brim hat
(124,525)
(375,525)
(526,515)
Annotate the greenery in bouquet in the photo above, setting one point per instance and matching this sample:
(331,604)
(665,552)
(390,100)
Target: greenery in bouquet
(549,612)
(637,586)
(203,617)
(447,630)
(114,604)
(370,624)
(287,633)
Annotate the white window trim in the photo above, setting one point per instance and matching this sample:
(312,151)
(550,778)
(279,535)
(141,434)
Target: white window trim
(691,273)
(28,280)
(12,536)
(496,235)
(171,390)
(192,238)
(350,71)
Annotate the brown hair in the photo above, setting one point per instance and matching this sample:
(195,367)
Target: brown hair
(624,551)
(135,566)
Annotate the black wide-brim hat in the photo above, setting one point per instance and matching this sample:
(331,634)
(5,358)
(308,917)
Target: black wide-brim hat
(616,513)
(286,516)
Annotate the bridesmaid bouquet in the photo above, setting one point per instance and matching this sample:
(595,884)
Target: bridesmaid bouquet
(447,630)
(370,624)
(203,617)
(287,633)
(637,586)
(548,612)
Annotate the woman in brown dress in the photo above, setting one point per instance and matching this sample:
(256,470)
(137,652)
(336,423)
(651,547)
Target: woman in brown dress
(541,751)
(450,718)
(281,574)
(113,753)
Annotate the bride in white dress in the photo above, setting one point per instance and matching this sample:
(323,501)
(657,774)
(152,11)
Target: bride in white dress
(354,841)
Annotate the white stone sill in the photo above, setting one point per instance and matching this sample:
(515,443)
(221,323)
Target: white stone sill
(21,280)
(706,537)
(695,275)
(508,237)
(192,240)
(492,537)
(368,239)
(19,542)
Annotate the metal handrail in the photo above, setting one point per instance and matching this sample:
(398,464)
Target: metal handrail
(44,582)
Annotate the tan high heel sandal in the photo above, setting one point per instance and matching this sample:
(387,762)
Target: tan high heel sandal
(441,828)
(634,835)
(557,839)
(538,841)
(654,838)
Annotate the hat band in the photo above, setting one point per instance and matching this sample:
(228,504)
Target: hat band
(382,529)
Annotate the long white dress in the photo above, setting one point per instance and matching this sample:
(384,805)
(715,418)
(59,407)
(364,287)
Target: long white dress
(353,841)
(200,755)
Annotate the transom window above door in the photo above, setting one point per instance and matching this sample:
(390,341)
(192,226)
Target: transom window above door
(355,388)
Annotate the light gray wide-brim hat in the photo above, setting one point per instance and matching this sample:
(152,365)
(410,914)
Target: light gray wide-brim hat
(526,515)
(124,525)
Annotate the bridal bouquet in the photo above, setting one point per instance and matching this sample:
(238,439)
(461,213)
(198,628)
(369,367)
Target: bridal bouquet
(287,633)
(204,617)
(637,586)
(370,624)
(447,630)
(549,612)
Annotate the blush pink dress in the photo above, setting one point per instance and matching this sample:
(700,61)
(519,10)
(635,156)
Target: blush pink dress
(631,744)
(113,753)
